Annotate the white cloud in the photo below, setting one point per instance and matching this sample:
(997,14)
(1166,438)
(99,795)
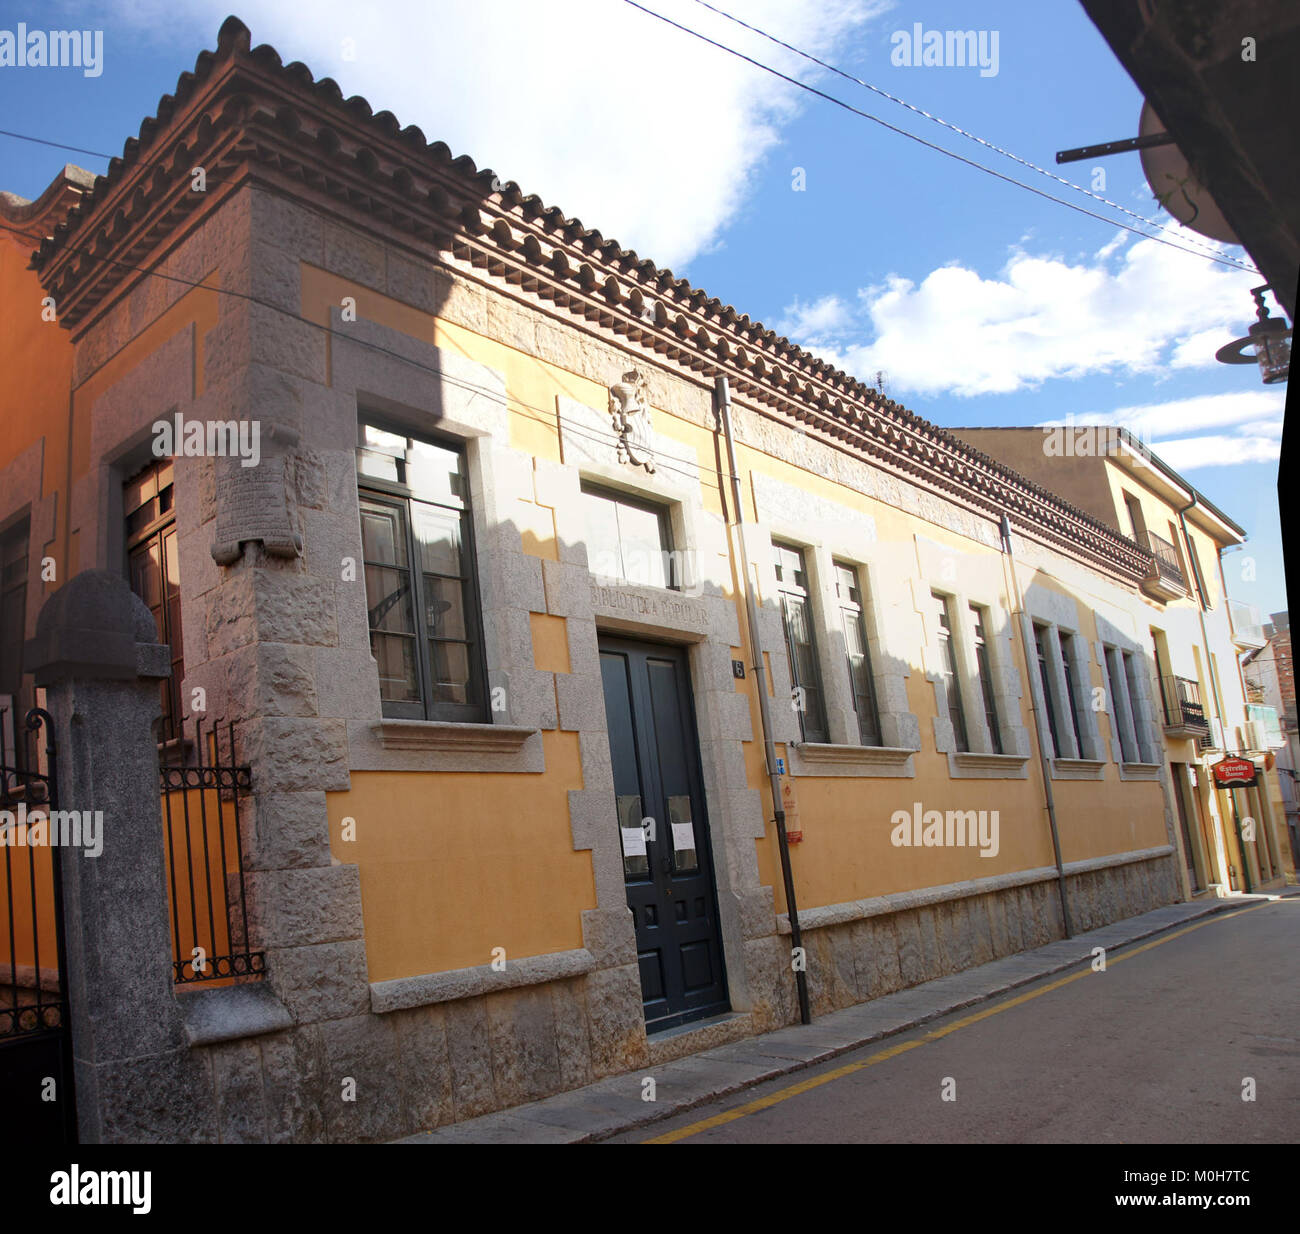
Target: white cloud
(1138,308)
(1197,350)
(1154,421)
(824,318)
(634,127)
(1255,417)
(1217,451)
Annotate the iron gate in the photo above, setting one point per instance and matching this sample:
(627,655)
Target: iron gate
(36,1084)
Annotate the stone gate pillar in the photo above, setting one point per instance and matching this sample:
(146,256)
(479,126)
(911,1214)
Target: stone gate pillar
(96,654)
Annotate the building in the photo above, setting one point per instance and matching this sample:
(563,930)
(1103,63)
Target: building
(479,611)
(1270,690)
(1195,635)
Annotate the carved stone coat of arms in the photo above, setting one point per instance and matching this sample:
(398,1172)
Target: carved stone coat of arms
(630,414)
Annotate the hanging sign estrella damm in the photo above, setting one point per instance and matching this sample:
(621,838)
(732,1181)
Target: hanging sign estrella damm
(1234,773)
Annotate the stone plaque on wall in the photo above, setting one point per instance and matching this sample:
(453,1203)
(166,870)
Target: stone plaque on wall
(253,503)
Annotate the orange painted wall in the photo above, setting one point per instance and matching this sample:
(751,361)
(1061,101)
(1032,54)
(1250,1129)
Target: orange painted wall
(36,360)
(454,864)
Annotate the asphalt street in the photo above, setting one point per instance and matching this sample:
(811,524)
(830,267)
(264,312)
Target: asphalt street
(1191,1037)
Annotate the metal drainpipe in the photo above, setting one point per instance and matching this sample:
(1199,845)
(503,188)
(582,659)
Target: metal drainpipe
(1005,530)
(1202,601)
(722,407)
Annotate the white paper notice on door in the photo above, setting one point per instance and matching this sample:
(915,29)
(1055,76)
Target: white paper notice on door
(633,841)
(684,837)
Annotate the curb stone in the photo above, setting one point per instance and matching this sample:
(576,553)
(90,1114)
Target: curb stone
(616,1105)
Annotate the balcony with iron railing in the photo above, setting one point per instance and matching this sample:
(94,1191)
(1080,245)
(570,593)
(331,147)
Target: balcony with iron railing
(1247,629)
(1166,580)
(1184,712)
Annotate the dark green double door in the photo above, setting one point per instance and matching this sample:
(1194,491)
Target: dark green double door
(663,830)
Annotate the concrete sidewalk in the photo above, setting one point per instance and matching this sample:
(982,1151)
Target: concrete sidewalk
(615,1104)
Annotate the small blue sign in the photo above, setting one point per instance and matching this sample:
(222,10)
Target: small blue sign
(780,766)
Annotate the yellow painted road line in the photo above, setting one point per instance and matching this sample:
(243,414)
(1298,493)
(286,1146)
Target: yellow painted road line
(804,1086)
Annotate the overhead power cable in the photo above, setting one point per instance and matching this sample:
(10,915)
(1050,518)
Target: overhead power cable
(975,137)
(1219,259)
(57,145)
(1209,255)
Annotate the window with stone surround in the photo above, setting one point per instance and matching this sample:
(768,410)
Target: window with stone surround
(1129,661)
(153,567)
(1121,705)
(1050,704)
(979,624)
(421,590)
(630,540)
(1074,701)
(848,594)
(949,674)
(801,641)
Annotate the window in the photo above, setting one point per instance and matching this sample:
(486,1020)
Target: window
(418,553)
(154,570)
(855,646)
(1073,703)
(13,625)
(1130,679)
(801,646)
(1118,693)
(1178,553)
(979,620)
(629,541)
(1041,634)
(948,673)
(1135,517)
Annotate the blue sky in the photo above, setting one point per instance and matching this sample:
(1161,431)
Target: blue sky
(982,303)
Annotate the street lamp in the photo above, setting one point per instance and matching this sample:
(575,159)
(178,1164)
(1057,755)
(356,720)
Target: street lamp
(1271,340)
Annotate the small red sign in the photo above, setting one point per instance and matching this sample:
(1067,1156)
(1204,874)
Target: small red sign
(1234,773)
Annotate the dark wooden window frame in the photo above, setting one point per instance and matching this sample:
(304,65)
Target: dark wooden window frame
(951,674)
(399,494)
(984,666)
(1050,704)
(149,519)
(798,595)
(1129,662)
(853,614)
(1114,680)
(1073,681)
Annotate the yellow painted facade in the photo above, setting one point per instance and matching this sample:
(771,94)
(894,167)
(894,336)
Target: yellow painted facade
(437,897)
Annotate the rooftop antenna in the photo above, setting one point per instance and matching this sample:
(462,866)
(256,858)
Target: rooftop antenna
(880,380)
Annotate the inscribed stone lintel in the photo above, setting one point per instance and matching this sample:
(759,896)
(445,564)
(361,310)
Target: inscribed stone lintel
(253,504)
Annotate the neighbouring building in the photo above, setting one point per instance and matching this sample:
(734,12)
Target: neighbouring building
(1194,637)
(476,610)
(1270,691)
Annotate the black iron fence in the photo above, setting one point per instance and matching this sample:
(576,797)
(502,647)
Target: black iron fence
(36,1089)
(31,988)
(201,790)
